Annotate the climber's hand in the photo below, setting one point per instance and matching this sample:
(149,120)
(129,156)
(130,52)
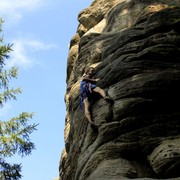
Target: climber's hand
(97,79)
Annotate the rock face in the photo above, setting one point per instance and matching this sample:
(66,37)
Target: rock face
(134,46)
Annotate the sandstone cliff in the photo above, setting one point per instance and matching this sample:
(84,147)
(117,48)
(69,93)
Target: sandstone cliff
(134,46)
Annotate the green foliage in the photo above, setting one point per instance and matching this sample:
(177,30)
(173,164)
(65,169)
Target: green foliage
(14,133)
(5,76)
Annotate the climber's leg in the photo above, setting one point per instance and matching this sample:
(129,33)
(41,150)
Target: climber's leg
(100,91)
(87,111)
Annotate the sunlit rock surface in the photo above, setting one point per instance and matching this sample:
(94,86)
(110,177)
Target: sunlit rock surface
(134,46)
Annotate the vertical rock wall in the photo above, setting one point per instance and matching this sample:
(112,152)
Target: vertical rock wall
(134,46)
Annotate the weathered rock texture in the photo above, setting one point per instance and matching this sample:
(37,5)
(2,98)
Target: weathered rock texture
(134,46)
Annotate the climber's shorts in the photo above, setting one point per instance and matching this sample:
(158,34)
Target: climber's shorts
(85,89)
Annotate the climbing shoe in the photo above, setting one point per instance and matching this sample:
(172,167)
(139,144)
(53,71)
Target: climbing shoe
(94,127)
(107,98)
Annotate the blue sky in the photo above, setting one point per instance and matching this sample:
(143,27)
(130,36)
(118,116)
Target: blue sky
(40,31)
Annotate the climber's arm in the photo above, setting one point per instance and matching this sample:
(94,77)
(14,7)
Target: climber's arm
(87,78)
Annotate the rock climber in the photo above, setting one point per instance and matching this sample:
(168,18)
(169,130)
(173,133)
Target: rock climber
(88,86)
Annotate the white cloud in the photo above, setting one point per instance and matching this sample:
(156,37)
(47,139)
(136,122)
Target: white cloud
(37,45)
(22,48)
(12,10)
(19,55)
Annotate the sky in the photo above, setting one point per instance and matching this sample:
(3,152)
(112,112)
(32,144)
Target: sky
(40,31)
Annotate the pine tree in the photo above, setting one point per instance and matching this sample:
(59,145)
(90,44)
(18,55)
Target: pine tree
(14,133)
